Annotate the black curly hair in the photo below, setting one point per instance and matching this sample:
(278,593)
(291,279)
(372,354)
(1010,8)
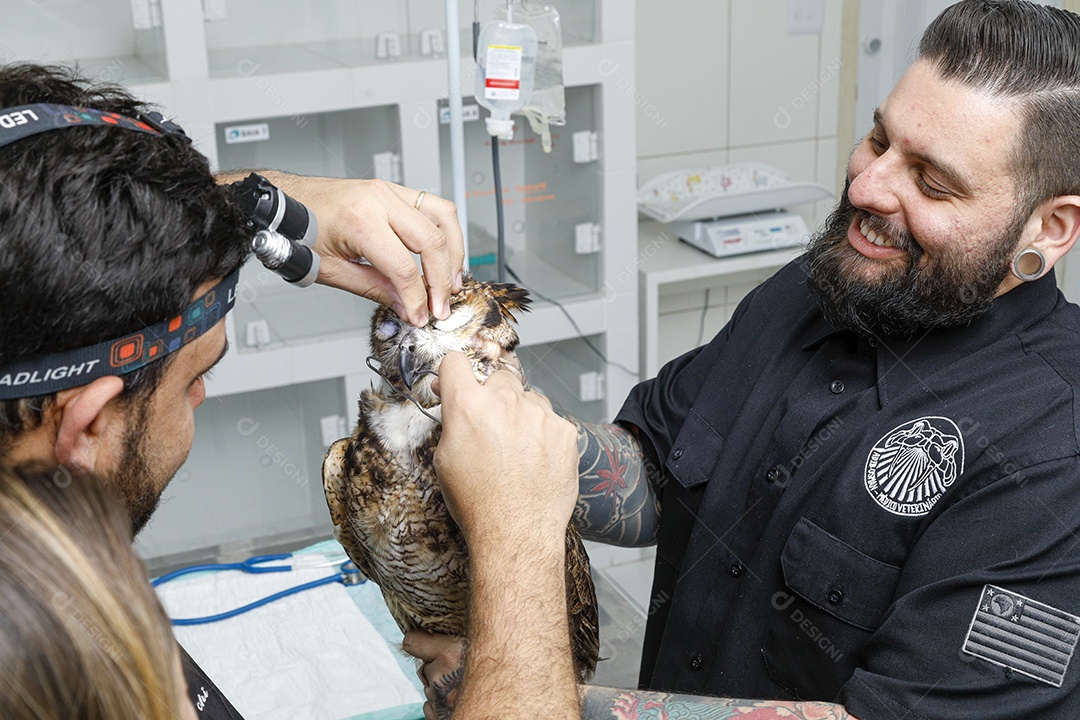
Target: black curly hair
(103,231)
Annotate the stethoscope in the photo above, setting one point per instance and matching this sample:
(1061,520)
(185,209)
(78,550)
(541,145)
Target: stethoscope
(347,574)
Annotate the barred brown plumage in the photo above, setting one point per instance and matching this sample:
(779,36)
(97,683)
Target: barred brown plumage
(380,484)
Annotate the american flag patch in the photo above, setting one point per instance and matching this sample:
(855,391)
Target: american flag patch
(1019,633)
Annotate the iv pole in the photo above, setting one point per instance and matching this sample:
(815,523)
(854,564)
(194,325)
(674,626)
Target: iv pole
(457,122)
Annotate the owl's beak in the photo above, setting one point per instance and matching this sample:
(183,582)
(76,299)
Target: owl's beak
(407,364)
(416,358)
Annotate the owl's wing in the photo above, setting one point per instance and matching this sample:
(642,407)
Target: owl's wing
(349,471)
(335,487)
(581,607)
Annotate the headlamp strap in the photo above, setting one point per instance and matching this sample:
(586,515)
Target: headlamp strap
(23,121)
(48,374)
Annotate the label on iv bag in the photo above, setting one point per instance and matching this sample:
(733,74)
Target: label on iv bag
(503,72)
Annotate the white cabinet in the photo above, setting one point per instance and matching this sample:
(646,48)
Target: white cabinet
(112,40)
(670,266)
(253,475)
(353,88)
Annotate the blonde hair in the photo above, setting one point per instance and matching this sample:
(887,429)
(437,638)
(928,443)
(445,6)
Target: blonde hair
(82,633)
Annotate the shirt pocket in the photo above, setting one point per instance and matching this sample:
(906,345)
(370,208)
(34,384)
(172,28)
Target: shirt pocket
(836,597)
(688,467)
(696,450)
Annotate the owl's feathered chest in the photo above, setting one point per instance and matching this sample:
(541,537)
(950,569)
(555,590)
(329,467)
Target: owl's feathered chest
(399,427)
(392,518)
(392,481)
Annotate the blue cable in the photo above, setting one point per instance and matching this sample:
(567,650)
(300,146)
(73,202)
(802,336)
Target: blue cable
(344,576)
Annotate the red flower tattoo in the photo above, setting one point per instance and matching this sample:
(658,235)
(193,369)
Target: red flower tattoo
(612,478)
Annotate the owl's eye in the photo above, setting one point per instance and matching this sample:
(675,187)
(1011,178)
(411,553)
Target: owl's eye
(387,329)
(457,319)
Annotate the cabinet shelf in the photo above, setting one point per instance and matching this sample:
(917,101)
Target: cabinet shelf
(325,34)
(343,352)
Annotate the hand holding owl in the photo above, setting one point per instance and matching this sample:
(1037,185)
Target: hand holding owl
(499,431)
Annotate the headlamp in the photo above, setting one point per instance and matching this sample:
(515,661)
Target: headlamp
(51,373)
(284,231)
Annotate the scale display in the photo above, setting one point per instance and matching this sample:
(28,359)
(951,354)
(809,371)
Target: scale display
(744,233)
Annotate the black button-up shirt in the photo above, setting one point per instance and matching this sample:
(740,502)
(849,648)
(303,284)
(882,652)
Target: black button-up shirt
(893,526)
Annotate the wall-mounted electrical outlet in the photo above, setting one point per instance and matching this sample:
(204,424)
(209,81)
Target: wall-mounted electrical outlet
(590,386)
(388,45)
(257,333)
(806,17)
(586,238)
(431,42)
(586,146)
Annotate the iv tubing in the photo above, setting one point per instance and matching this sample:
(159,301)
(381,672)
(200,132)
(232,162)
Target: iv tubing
(500,222)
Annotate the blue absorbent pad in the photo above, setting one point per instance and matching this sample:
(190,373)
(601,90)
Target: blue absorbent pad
(330,653)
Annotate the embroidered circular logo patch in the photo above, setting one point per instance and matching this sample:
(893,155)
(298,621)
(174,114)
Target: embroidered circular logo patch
(910,468)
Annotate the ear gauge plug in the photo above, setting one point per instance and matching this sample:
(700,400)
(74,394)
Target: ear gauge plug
(1029,264)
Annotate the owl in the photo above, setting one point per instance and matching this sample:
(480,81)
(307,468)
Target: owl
(384,499)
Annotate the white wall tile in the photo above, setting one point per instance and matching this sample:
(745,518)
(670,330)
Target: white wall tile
(681,327)
(679,333)
(774,75)
(682,72)
(739,290)
(690,297)
(715,320)
(766,71)
(797,159)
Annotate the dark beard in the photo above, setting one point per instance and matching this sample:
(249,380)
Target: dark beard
(902,303)
(133,479)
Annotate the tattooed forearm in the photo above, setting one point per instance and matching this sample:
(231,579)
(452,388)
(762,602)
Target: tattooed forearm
(616,503)
(600,702)
(445,690)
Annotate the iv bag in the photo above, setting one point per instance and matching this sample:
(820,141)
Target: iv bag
(547,106)
(507,62)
